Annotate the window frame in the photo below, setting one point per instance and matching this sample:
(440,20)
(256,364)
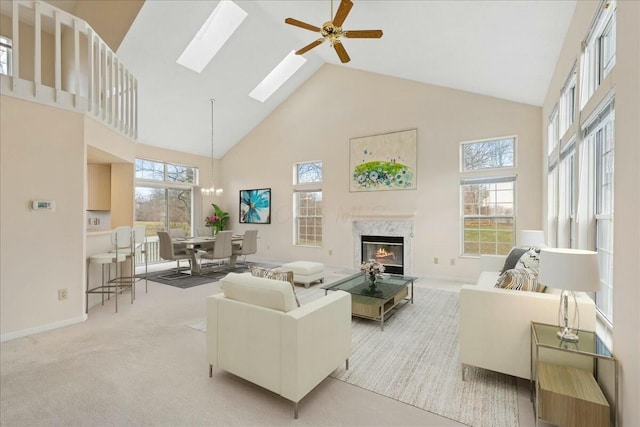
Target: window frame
(307,187)
(165,173)
(6,44)
(464,216)
(568,98)
(514,145)
(593,68)
(602,124)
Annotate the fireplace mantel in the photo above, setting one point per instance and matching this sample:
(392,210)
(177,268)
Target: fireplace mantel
(381,215)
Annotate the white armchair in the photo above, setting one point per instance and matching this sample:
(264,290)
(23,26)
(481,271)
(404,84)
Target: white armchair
(255,330)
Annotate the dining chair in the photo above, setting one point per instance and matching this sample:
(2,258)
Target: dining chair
(222,248)
(248,246)
(178,233)
(168,253)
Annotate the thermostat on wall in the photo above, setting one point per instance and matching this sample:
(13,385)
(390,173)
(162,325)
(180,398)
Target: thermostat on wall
(43,205)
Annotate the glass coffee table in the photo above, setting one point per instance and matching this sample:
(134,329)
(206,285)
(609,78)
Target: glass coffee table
(391,291)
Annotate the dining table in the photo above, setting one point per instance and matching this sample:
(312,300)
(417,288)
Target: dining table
(195,243)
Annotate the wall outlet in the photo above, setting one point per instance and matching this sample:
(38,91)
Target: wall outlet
(452,261)
(62,294)
(435,259)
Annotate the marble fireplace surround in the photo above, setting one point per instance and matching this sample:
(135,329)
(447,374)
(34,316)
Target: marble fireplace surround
(384,228)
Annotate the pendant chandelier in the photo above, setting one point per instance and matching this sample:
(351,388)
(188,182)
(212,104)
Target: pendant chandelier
(211,190)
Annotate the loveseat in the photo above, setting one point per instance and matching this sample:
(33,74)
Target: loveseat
(495,323)
(256,330)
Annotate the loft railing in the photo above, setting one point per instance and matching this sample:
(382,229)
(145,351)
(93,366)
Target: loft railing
(81,73)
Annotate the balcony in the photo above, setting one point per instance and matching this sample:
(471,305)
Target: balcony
(57,59)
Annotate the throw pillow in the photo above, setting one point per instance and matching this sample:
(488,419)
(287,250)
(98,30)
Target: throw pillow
(530,259)
(286,276)
(520,279)
(512,259)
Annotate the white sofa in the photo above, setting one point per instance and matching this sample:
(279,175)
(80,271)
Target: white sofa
(495,323)
(255,330)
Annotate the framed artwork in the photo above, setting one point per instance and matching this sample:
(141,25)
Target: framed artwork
(255,206)
(383,162)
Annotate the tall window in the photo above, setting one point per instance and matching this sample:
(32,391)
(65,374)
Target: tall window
(488,154)
(5,55)
(599,55)
(568,103)
(552,205)
(163,197)
(601,137)
(566,198)
(488,220)
(553,132)
(307,201)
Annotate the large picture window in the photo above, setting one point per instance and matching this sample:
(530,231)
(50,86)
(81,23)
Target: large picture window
(164,196)
(307,201)
(488,220)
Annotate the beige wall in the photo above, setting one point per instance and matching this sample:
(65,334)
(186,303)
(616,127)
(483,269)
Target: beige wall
(42,157)
(339,103)
(625,80)
(110,19)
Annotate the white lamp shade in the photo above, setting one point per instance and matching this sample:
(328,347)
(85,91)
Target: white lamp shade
(533,238)
(569,269)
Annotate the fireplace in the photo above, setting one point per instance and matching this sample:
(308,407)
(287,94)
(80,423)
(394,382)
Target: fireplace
(387,250)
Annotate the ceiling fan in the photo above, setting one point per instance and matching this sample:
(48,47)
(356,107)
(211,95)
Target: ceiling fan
(331,31)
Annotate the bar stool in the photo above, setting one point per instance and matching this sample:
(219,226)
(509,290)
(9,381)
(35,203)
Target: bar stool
(131,241)
(105,259)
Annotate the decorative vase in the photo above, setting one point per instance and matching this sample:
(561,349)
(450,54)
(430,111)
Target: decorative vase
(214,231)
(372,281)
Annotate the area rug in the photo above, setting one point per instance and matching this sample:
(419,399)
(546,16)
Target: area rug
(415,361)
(184,280)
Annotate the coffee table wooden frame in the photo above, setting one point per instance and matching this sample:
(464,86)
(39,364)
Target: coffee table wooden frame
(376,308)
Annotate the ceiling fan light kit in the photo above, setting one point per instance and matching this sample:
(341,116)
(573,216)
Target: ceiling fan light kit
(332,31)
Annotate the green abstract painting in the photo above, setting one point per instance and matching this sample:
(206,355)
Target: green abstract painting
(384,162)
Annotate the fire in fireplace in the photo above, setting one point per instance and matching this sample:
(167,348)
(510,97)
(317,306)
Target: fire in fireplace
(387,250)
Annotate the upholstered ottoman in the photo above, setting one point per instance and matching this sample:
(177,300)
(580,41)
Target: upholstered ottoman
(305,272)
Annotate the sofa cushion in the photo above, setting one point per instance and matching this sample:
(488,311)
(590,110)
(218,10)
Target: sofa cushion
(520,279)
(275,274)
(268,293)
(512,259)
(529,259)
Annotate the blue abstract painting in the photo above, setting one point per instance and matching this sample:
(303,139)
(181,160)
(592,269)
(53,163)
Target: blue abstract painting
(255,206)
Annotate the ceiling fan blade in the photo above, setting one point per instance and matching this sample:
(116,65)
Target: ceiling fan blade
(342,53)
(343,11)
(310,46)
(301,24)
(363,34)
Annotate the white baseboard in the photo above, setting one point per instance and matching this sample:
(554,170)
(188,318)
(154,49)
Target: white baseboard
(36,330)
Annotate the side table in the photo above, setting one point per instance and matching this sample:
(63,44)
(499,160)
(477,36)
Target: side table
(574,382)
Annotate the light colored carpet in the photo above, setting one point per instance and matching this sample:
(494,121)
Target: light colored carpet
(144,367)
(415,361)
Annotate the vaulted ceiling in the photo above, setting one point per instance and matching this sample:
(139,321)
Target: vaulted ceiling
(506,49)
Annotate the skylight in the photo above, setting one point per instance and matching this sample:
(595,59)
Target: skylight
(214,33)
(276,78)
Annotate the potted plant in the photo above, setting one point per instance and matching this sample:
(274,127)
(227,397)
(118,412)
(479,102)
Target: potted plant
(217,221)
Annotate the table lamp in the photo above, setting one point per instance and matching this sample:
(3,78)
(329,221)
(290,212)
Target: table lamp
(532,238)
(569,270)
